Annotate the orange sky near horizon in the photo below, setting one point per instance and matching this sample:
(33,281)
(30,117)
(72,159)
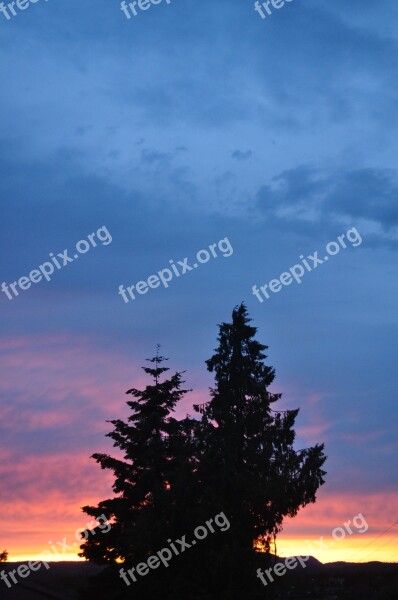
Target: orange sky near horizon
(48,475)
(318,530)
(348,550)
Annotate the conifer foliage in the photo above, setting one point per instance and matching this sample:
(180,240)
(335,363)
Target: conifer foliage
(261,478)
(140,514)
(236,457)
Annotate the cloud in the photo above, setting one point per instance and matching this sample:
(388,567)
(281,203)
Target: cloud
(152,157)
(314,198)
(56,394)
(240,155)
(369,194)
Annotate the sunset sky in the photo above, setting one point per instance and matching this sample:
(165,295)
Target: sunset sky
(192,123)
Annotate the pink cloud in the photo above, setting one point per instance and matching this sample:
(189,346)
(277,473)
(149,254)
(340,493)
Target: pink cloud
(63,389)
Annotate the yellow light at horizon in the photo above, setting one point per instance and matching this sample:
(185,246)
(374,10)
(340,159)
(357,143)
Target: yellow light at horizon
(357,549)
(67,557)
(352,548)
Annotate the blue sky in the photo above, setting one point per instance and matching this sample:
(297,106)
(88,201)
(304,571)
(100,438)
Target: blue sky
(190,123)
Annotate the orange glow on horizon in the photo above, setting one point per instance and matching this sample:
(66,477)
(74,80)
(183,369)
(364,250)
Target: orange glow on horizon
(358,548)
(350,549)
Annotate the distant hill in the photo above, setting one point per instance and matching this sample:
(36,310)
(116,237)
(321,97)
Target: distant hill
(60,582)
(311,563)
(369,567)
(63,579)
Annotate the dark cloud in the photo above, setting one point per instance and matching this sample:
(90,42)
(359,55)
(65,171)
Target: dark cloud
(152,157)
(366,194)
(313,197)
(240,155)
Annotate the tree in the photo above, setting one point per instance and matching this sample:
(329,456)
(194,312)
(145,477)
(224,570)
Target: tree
(3,556)
(237,458)
(250,469)
(141,514)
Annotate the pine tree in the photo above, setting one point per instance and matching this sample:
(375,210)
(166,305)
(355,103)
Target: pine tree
(141,513)
(238,458)
(250,469)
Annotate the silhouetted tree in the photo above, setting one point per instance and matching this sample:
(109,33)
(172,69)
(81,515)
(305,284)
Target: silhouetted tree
(141,514)
(238,458)
(3,556)
(250,469)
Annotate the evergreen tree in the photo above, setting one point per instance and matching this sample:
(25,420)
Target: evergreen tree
(141,514)
(250,469)
(238,458)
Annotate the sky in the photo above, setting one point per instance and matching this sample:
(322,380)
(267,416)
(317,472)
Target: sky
(188,126)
